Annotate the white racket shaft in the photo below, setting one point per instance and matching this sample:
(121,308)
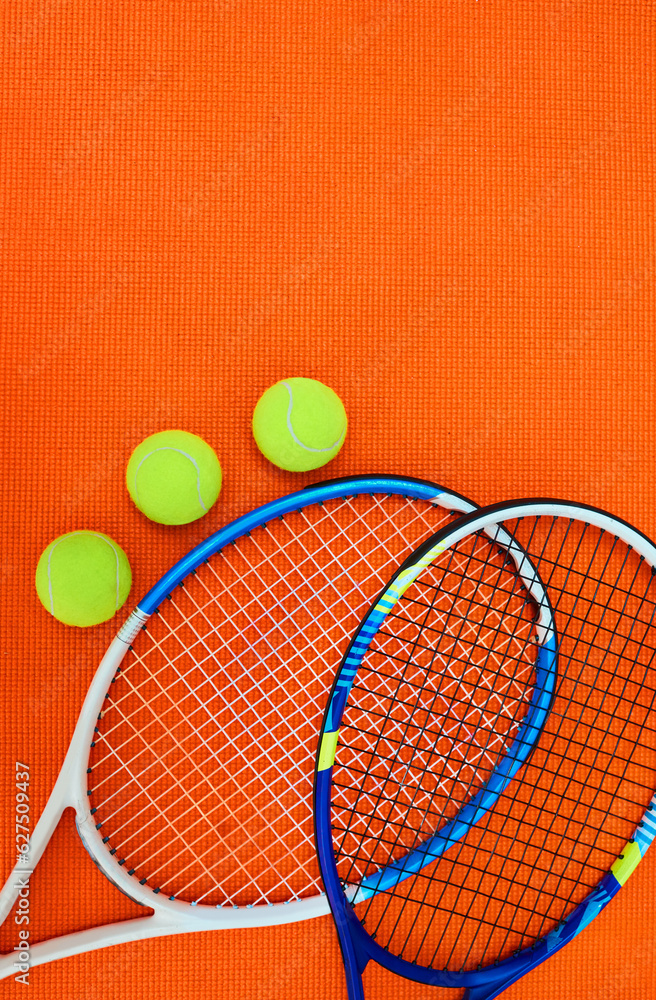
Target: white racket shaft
(168,916)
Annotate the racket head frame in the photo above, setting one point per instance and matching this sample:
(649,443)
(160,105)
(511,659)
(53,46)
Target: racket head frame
(358,948)
(70,790)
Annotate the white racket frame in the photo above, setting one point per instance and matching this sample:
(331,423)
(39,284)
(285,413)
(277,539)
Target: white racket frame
(169,916)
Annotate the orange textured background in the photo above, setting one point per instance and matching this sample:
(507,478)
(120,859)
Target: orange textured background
(444,210)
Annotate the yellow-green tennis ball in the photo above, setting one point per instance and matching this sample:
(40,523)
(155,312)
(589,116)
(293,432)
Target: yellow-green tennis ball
(174,477)
(299,424)
(83,578)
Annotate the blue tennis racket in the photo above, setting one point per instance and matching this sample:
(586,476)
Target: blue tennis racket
(458,869)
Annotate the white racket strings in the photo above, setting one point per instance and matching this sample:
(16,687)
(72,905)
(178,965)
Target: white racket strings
(201,768)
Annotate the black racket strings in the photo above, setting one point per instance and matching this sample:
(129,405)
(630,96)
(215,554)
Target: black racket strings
(427,608)
(470,576)
(504,614)
(581,620)
(569,900)
(574,802)
(622,698)
(554,563)
(485,869)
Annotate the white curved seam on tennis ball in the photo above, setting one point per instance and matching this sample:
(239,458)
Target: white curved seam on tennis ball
(180,452)
(306,447)
(97,535)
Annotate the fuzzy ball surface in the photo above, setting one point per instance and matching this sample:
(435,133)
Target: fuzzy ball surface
(83,578)
(299,424)
(174,477)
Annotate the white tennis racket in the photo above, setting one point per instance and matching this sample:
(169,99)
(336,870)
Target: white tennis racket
(190,769)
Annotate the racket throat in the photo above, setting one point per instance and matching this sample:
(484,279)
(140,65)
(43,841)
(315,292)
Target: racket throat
(354,954)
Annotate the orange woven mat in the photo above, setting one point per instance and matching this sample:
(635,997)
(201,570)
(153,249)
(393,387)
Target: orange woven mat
(443,210)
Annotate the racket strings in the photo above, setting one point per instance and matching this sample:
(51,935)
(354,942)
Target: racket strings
(201,768)
(555,575)
(553,834)
(450,760)
(196,815)
(613,771)
(549,870)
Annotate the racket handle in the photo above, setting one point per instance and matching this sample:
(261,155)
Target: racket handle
(354,957)
(351,967)
(488,992)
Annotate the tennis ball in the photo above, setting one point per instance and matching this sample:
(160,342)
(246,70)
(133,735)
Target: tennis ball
(299,424)
(83,578)
(173,477)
